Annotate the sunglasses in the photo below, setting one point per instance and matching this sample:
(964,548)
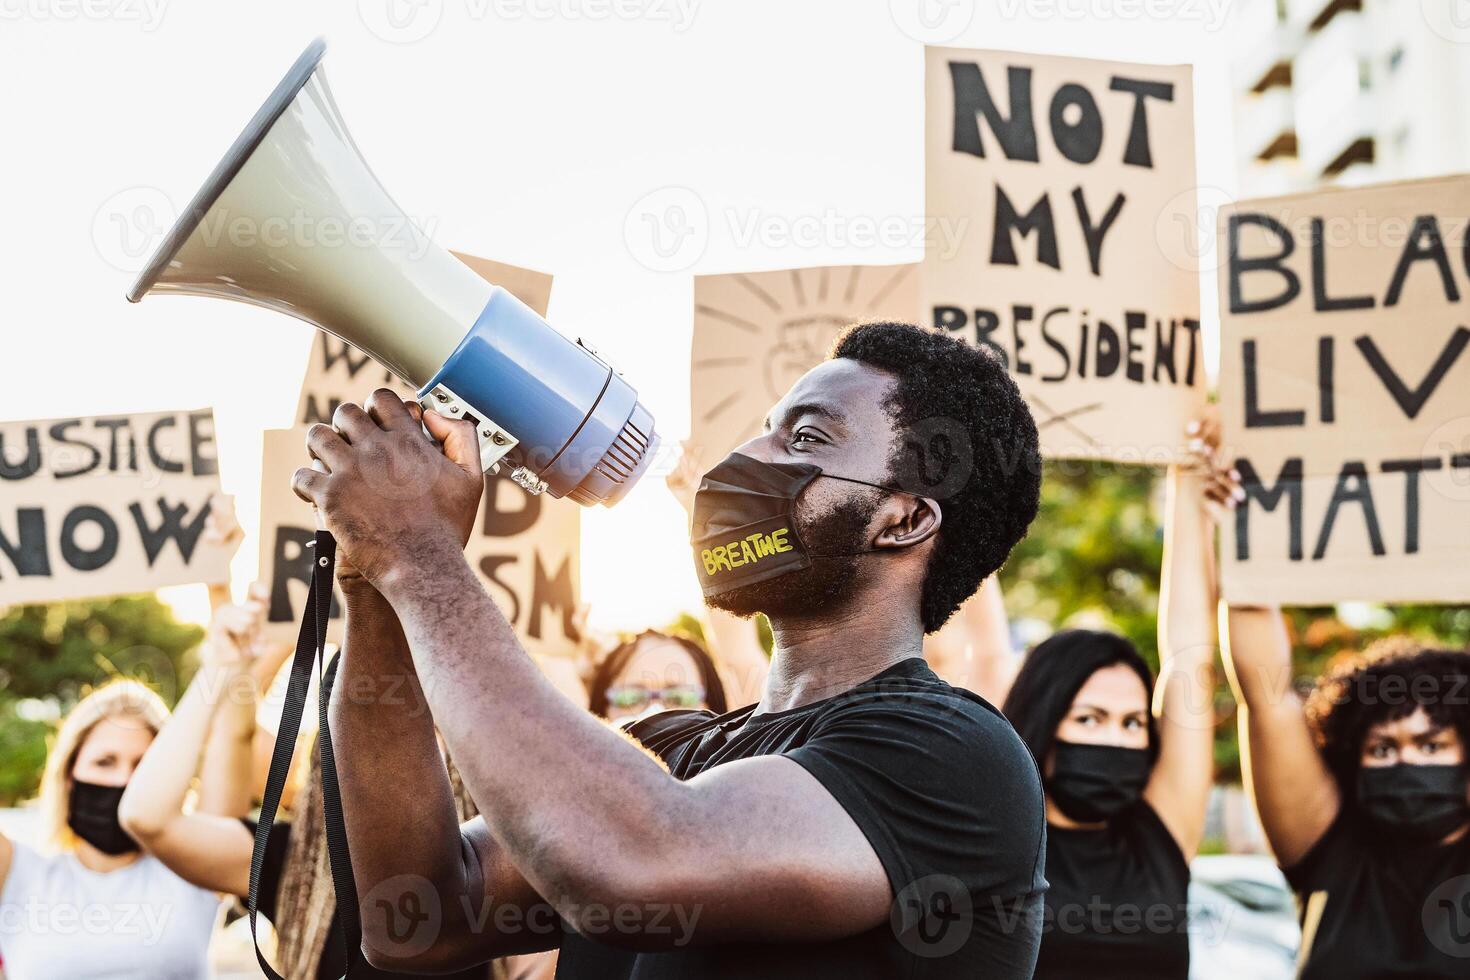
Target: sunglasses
(637,696)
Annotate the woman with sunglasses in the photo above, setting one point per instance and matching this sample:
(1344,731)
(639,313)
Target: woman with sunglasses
(654,672)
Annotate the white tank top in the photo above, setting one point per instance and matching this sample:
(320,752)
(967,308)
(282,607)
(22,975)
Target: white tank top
(61,921)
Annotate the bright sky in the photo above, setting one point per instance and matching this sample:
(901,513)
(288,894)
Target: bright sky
(537,132)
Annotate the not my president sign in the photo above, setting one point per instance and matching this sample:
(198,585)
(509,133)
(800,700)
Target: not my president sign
(1067,186)
(107,505)
(1345,387)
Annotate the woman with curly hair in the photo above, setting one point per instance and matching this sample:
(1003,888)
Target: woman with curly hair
(1362,792)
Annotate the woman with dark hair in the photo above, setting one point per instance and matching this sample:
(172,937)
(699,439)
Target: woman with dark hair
(654,672)
(1126,762)
(1362,792)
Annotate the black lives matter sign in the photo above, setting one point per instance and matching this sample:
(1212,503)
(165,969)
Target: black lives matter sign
(1069,247)
(1345,390)
(107,505)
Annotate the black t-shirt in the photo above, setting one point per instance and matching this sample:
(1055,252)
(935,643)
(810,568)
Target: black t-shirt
(945,792)
(1374,907)
(1117,905)
(332,961)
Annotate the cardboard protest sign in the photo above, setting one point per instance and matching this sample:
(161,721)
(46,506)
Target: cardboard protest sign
(287,524)
(338,372)
(755,333)
(1065,187)
(108,505)
(1345,390)
(525,549)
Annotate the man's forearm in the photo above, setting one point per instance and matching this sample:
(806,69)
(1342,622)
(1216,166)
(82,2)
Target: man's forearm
(400,813)
(555,785)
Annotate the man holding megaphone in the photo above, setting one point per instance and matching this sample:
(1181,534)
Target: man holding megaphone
(864,819)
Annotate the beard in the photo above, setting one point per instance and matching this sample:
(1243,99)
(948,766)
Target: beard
(837,532)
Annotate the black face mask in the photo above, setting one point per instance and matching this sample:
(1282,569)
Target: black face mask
(744,527)
(1422,803)
(1090,783)
(92,816)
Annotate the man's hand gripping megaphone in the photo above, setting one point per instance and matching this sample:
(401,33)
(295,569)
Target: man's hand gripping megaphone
(396,485)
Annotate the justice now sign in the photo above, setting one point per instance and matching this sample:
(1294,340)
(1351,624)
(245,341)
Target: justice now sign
(1067,189)
(107,505)
(1345,392)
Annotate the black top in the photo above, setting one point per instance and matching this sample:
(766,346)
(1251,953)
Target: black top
(1375,908)
(943,789)
(1117,905)
(332,961)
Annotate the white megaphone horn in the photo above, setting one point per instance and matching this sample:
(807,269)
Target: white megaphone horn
(258,232)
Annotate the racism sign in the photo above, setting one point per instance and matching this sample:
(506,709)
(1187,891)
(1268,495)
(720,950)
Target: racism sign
(339,372)
(1067,190)
(1345,385)
(755,333)
(525,550)
(107,505)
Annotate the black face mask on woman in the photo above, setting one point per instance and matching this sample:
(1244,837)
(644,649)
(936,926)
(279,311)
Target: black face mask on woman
(1422,803)
(1089,783)
(744,528)
(92,816)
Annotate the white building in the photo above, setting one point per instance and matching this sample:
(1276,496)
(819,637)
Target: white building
(1349,91)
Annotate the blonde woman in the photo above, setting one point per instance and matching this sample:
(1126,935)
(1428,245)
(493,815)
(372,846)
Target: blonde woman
(213,851)
(96,908)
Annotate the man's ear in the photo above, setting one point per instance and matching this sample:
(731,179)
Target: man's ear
(910,520)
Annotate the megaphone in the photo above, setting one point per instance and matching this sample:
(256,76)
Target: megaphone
(293,219)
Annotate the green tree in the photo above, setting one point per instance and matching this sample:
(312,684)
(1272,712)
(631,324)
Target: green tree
(51,655)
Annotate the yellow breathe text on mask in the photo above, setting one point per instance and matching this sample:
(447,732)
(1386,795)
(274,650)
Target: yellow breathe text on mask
(749,550)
